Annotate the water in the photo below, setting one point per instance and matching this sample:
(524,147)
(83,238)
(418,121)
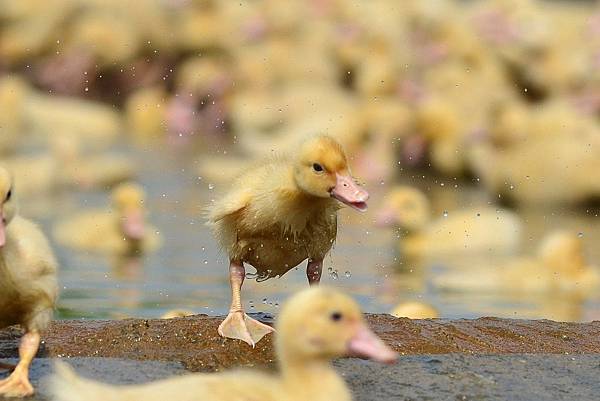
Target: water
(189,271)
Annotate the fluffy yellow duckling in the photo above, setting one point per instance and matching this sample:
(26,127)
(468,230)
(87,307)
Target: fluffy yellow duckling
(559,265)
(28,284)
(278,215)
(315,326)
(122,230)
(415,310)
(478,230)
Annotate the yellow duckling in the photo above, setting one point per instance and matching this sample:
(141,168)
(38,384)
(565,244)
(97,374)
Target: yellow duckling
(478,230)
(315,326)
(28,284)
(559,265)
(176,313)
(278,215)
(415,310)
(13,91)
(122,230)
(145,114)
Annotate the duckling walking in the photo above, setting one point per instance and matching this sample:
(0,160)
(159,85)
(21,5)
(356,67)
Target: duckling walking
(278,215)
(315,326)
(28,285)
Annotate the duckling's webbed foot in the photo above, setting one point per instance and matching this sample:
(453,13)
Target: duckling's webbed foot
(314,270)
(238,325)
(17,384)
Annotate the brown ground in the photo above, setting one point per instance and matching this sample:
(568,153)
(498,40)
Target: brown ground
(194,341)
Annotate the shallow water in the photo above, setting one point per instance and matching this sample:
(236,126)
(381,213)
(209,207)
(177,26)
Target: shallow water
(189,272)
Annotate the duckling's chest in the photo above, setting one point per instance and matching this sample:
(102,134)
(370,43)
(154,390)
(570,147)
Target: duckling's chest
(12,304)
(276,249)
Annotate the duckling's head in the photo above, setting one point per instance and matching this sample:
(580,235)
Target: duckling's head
(320,323)
(321,170)
(128,201)
(8,204)
(562,251)
(404,207)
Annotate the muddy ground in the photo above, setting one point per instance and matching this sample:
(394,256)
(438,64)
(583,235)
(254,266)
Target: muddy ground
(143,350)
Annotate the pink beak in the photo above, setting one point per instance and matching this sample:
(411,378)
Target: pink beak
(347,192)
(133,225)
(366,344)
(2,229)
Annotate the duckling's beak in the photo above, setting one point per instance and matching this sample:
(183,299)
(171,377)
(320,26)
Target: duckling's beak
(2,228)
(347,192)
(133,224)
(366,344)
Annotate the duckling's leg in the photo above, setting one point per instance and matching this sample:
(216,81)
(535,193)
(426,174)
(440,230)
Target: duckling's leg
(17,384)
(237,324)
(313,271)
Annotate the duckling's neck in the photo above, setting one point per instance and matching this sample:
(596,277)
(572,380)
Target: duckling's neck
(313,379)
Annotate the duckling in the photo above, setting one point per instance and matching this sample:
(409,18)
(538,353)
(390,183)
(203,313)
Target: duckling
(278,215)
(28,284)
(478,230)
(531,171)
(145,114)
(122,230)
(50,116)
(415,310)
(559,266)
(176,313)
(315,326)
(13,92)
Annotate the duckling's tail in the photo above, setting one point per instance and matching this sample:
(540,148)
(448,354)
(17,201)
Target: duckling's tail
(66,385)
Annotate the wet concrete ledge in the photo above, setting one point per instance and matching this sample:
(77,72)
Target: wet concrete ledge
(193,341)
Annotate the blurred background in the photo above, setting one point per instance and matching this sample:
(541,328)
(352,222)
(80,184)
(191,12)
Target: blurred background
(474,125)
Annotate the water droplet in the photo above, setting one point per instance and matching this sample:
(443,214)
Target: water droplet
(445,214)
(580,234)
(334,275)
(348,274)
(211,186)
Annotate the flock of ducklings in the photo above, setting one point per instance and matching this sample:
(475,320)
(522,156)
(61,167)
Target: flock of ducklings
(387,80)
(505,91)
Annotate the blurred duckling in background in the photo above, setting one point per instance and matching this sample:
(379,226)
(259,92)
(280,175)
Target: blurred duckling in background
(64,166)
(415,310)
(176,313)
(13,91)
(315,326)
(122,230)
(279,214)
(559,266)
(478,230)
(28,284)
(145,115)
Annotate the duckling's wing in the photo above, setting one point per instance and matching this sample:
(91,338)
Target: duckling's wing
(232,203)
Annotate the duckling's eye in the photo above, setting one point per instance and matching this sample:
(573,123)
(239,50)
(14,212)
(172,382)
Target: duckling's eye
(8,195)
(336,316)
(317,167)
